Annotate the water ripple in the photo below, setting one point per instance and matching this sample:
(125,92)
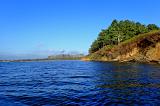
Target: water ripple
(78,83)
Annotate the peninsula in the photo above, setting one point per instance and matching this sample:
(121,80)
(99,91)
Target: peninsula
(125,41)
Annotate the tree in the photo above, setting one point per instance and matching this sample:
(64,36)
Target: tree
(118,32)
(152,27)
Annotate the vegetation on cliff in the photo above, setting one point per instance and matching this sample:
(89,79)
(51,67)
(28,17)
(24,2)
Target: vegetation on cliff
(127,41)
(120,31)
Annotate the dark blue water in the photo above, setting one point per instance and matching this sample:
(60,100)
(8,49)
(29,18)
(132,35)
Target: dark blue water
(78,83)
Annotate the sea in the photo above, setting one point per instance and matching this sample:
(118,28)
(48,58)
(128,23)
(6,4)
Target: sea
(79,83)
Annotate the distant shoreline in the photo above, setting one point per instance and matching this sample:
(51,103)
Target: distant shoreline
(52,57)
(32,60)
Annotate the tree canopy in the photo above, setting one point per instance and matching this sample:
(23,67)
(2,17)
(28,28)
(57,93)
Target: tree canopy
(120,31)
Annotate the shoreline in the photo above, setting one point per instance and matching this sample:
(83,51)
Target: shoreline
(131,61)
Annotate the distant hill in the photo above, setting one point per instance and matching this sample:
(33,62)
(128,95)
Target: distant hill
(66,57)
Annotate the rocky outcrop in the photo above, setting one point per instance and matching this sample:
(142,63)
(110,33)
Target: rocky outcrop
(149,54)
(153,53)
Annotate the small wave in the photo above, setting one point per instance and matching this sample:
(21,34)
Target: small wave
(62,83)
(80,77)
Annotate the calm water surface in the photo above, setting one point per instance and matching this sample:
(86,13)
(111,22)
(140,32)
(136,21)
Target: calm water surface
(78,83)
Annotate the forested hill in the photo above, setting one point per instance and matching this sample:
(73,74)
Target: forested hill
(126,41)
(118,32)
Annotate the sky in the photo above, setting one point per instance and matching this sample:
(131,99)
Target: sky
(38,28)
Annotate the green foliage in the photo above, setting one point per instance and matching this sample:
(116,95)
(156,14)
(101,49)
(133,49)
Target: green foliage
(152,27)
(118,32)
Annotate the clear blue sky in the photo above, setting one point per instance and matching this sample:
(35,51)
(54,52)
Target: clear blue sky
(43,27)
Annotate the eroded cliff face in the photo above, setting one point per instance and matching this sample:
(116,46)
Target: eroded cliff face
(128,56)
(151,53)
